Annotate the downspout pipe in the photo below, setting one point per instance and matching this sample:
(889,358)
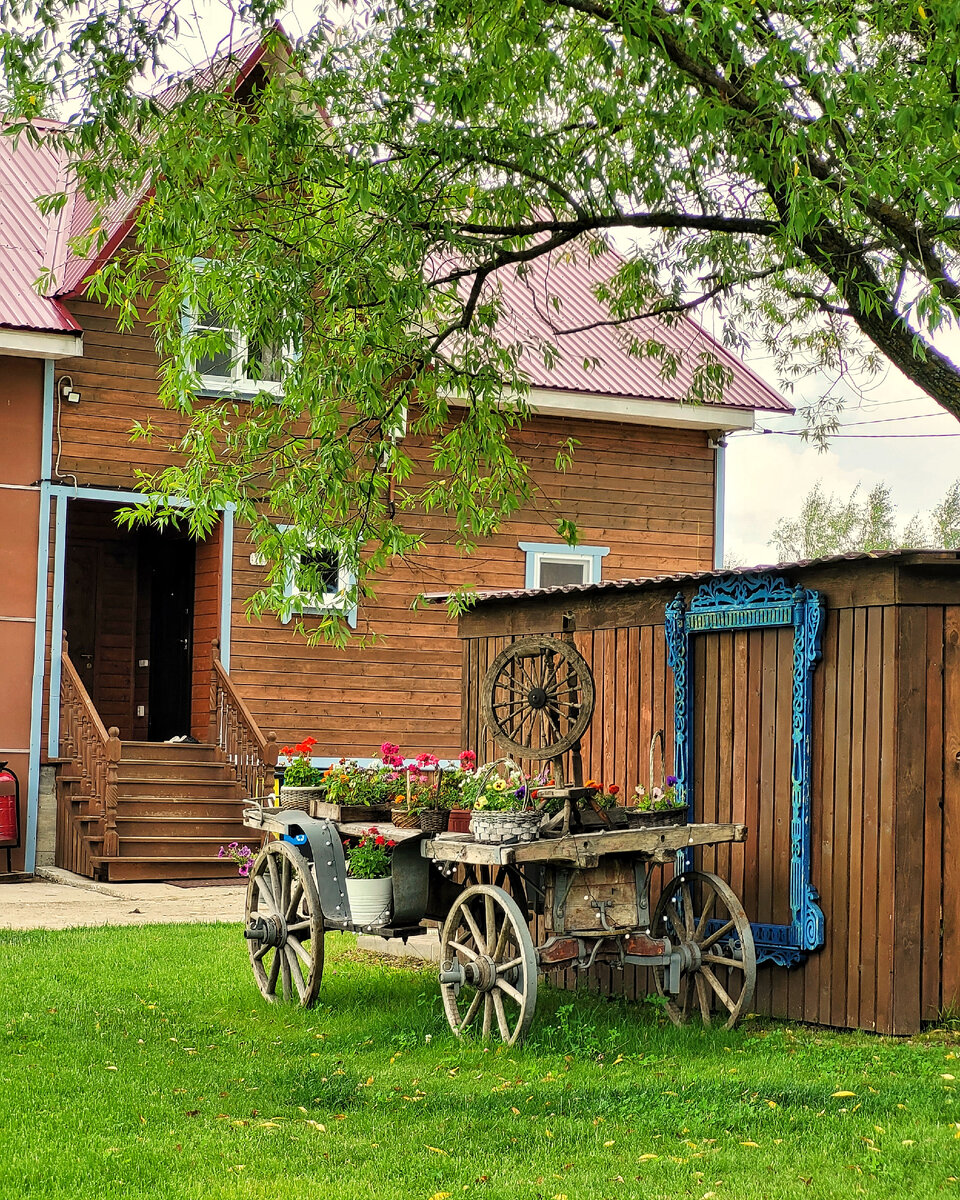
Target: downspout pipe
(718,444)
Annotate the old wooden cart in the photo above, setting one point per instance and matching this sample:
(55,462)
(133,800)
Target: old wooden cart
(586,891)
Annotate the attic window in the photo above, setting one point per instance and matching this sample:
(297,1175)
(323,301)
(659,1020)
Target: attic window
(244,364)
(558,565)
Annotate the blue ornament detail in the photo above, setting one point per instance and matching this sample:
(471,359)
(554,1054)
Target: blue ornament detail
(755,601)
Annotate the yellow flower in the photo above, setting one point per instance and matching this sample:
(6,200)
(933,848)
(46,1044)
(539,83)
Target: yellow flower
(500,785)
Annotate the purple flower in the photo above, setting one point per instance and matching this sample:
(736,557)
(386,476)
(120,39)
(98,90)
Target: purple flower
(222,853)
(672,781)
(245,870)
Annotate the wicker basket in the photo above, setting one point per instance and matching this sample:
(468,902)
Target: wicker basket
(504,828)
(300,797)
(434,820)
(405,818)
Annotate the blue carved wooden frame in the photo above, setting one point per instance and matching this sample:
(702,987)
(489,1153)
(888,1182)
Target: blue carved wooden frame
(755,601)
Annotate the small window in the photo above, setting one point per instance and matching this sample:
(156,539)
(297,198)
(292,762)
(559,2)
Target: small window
(325,586)
(244,364)
(558,565)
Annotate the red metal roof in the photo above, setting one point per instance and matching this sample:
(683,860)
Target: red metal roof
(29,241)
(552,303)
(556,293)
(629,585)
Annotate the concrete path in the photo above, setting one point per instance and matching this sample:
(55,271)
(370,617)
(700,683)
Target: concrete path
(61,900)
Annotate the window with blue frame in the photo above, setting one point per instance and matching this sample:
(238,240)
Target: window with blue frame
(555,564)
(319,581)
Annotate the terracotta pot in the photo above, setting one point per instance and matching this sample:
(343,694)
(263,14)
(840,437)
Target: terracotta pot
(459,820)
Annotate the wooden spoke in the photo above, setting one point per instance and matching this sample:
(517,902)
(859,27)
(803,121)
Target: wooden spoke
(498,979)
(717,986)
(718,934)
(474,928)
(283,906)
(711,915)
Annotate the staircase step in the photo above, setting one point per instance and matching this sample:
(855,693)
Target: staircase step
(141,768)
(129,870)
(186,789)
(171,846)
(226,809)
(172,751)
(227,829)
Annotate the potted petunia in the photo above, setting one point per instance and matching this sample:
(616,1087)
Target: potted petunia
(369,879)
(356,793)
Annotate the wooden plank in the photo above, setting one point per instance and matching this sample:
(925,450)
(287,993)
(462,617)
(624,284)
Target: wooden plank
(886,898)
(872,668)
(841,936)
(908,820)
(861,922)
(950,983)
(932,819)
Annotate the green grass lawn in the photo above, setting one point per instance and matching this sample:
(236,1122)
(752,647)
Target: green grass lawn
(143,1062)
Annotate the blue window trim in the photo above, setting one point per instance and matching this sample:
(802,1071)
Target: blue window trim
(561,550)
(758,601)
(349,584)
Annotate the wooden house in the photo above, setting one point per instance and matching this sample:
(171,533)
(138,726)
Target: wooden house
(141,610)
(816,703)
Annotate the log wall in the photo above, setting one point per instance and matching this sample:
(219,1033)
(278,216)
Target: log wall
(886,772)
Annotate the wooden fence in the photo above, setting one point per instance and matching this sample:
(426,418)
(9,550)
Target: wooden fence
(885,739)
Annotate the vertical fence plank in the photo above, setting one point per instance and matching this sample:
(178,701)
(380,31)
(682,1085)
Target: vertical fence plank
(841,823)
(950,984)
(908,818)
(886,951)
(932,819)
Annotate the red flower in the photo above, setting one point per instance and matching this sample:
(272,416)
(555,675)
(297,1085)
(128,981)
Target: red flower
(379,840)
(286,750)
(613,789)
(391,844)
(533,793)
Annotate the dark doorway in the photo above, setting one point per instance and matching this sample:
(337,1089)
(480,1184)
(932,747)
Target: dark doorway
(128,615)
(171,563)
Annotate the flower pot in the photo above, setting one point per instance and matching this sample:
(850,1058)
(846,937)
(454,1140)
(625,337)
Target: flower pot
(405,818)
(300,797)
(434,820)
(657,820)
(504,828)
(459,820)
(370,900)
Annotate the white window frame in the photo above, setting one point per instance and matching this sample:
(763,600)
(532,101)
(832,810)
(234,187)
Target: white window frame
(306,604)
(236,383)
(538,553)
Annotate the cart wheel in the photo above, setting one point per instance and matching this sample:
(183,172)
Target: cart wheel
(488,968)
(537,697)
(702,916)
(284,925)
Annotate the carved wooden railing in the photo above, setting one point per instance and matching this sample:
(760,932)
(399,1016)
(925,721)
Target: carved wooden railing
(95,752)
(233,729)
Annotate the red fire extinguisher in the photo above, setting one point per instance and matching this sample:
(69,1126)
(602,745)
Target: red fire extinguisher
(9,810)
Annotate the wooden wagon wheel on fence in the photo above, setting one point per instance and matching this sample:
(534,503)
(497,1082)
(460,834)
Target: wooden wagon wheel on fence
(284,926)
(537,697)
(702,916)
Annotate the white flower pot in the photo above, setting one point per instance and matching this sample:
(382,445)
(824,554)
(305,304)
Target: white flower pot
(370,900)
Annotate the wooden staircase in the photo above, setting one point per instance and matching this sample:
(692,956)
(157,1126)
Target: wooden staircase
(156,810)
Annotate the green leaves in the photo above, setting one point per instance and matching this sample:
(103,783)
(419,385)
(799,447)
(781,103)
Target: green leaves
(358,197)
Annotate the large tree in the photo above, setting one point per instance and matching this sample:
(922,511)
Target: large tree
(792,164)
